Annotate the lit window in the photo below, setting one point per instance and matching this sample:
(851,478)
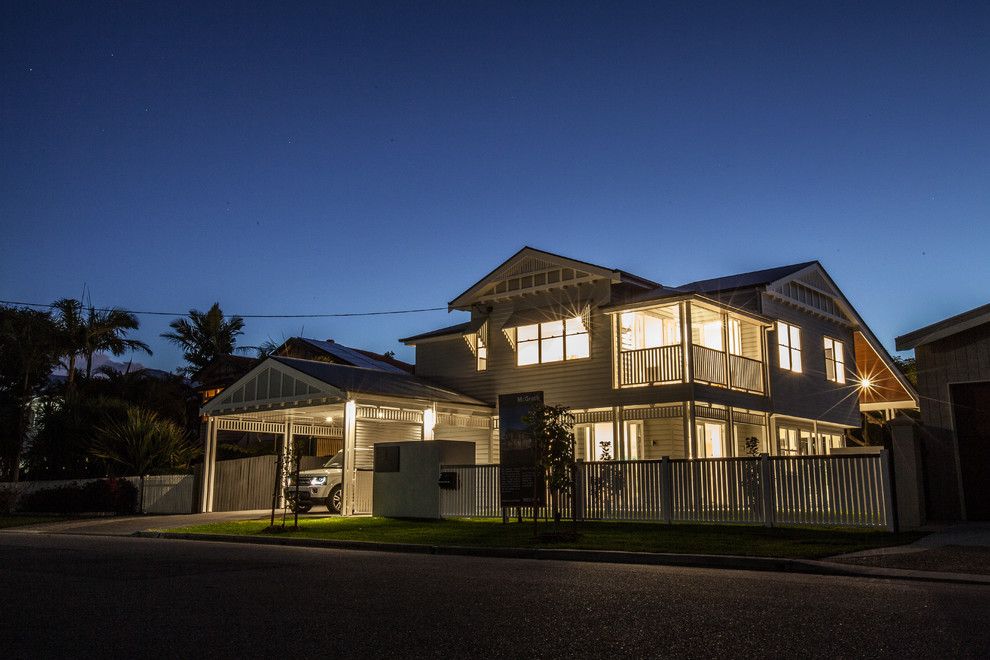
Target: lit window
(710,440)
(787,442)
(658,327)
(711,335)
(789,342)
(482,352)
(835,368)
(552,341)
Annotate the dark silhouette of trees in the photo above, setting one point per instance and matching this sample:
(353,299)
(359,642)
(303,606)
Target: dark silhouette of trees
(106,332)
(29,352)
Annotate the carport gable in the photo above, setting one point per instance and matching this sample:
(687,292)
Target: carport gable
(273,384)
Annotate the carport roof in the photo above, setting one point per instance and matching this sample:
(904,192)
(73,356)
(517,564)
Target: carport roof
(284,383)
(361,380)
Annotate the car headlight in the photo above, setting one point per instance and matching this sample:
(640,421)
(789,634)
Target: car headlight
(318,481)
(290,481)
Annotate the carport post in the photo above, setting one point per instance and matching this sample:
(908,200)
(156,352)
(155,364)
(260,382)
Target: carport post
(350,441)
(209,465)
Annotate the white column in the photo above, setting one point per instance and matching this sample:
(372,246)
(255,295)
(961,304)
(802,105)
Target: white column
(429,423)
(209,465)
(347,485)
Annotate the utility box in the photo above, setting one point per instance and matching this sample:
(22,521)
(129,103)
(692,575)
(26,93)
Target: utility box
(407,476)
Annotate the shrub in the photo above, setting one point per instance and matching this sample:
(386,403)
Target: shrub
(104,495)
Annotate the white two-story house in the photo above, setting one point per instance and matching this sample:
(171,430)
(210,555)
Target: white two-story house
(773,361)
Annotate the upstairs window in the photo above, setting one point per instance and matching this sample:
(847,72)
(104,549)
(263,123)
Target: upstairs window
(650,329)
(835,367)
(789,343)
(552,341)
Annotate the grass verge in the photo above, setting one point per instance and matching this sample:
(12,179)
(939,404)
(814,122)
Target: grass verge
(21,521)
(791,542)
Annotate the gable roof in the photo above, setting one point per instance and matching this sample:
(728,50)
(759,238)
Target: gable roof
(532,261)
(945,328)
(358,380)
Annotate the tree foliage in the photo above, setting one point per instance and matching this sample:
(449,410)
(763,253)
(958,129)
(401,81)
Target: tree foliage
(552,429)
(142,443)
(106,332)
(204,336)
(84,332)
(28,355)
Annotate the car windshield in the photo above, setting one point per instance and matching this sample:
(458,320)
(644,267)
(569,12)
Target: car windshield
(336,462)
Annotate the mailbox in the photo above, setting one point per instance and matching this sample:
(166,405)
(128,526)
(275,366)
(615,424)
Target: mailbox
(448,481)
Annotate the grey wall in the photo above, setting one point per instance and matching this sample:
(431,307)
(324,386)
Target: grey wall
(809,394)
(412,492)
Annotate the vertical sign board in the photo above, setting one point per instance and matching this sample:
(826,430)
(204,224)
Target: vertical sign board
(517,471)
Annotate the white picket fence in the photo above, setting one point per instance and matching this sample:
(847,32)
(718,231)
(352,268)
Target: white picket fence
(849,490)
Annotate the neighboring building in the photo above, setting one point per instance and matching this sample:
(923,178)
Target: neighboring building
(334,353)
(219,373)
(771,361)
(952,358)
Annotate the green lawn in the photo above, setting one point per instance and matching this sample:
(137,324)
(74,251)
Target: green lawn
(793,542)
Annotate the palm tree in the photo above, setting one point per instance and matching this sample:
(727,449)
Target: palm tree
(71,327)
(204,336)
(105,332)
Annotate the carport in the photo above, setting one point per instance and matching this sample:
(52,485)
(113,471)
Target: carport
(357,405)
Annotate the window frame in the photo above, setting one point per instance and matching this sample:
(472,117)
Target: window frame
(836,362)
(789,347)
(547,338)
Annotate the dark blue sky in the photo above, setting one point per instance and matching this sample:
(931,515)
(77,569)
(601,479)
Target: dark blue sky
(340,157)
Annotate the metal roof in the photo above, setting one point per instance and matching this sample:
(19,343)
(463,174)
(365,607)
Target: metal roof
(946,328)
(743,280)
(376,381)
(452,330)
(350,355)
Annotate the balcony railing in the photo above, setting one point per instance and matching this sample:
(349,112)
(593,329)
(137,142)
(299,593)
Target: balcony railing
(663,364)
(746,373)
(709,365)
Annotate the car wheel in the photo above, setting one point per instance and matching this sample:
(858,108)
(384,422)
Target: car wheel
(304,507)
(335,500)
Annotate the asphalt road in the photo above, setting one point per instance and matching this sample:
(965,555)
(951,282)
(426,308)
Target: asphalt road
(83,596)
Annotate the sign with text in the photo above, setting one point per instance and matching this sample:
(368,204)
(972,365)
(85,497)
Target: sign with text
(519,482)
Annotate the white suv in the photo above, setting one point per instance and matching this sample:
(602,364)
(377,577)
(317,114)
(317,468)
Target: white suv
(319,486)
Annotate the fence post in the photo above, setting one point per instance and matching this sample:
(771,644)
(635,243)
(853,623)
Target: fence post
(666,491)
(577,501)
(888,496)
(766,483)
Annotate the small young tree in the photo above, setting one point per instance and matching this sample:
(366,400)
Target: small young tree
(552,428)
